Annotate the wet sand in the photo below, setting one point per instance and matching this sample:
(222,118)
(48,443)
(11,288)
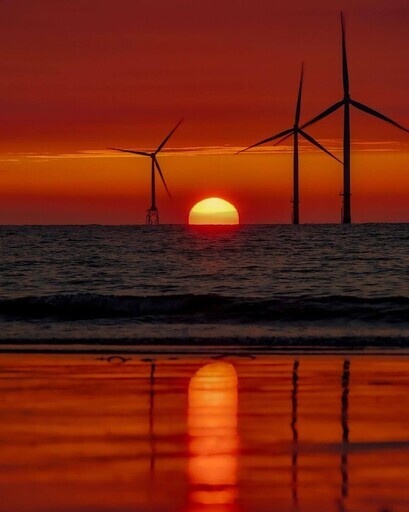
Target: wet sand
(199,434)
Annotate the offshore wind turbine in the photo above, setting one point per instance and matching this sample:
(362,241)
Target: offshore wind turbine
(347,102)
(152,214)
(295,131)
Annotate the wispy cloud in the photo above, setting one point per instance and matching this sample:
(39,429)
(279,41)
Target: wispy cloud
(334,145)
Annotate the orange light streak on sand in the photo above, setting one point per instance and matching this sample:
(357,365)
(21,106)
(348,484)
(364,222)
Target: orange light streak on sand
(213,444)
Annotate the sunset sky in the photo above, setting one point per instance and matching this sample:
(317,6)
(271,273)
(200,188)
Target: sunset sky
(81,75)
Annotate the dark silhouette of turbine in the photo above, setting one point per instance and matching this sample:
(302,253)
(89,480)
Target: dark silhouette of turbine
(295,131)
(152,214)
(347,102)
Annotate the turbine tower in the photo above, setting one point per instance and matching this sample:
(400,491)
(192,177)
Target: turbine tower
(295,131)
(152,214)
(347,102)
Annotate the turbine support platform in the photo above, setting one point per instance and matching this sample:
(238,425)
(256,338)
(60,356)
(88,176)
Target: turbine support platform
(152,216)
(346,208)
(295,218)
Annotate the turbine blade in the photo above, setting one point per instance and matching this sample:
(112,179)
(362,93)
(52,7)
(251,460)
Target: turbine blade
(284,138)
(162,178)
(143,153)
(270,139)
(345,73)
(168,137)
(374,113)
(318,145)
(324,114)
(298,110)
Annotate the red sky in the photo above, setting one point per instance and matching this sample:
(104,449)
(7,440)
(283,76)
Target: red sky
(81,75)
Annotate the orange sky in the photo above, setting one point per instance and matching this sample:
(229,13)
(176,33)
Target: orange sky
(78,76)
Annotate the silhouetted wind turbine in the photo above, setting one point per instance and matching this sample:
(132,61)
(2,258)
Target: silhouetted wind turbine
(152,214)
(346,102)
(296,130)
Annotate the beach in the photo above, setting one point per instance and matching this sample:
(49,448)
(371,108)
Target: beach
(177,432)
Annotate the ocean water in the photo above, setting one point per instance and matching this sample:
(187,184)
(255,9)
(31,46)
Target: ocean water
(252,284)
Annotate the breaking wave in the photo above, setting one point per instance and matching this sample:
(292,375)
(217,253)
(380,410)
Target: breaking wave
(207,308)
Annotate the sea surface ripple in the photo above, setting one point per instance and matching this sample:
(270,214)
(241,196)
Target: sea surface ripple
(138,281)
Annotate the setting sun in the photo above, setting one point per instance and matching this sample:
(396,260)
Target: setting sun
(213,211)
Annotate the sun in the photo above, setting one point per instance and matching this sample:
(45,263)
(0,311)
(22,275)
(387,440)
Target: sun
(213,210)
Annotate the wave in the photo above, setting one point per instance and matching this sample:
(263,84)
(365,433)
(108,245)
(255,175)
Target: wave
(206,308)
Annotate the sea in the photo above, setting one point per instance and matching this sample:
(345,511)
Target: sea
(82,288)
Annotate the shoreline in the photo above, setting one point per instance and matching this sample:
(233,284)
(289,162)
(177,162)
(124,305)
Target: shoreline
(248,347)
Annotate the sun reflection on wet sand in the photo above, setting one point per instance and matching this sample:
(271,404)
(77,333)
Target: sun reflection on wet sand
(213,438)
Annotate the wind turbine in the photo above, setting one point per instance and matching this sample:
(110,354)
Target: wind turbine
(347,102)
(152,214)
(295,131)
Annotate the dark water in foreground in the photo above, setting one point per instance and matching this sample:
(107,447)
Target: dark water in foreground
(88,283)
(188,434)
